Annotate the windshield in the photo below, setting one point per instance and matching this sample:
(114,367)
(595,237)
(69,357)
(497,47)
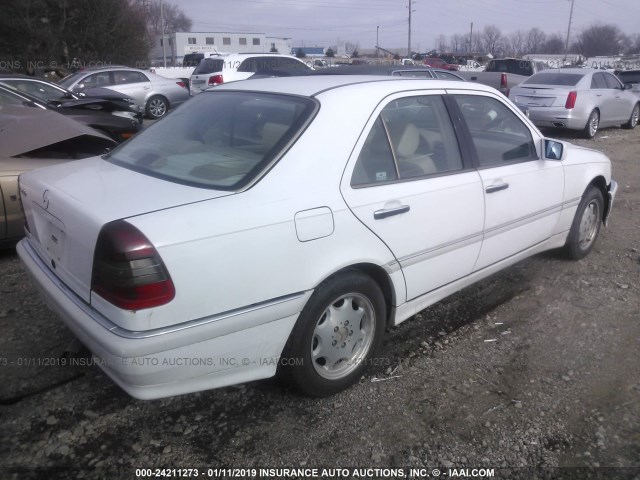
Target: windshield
(555,78)
(224,140)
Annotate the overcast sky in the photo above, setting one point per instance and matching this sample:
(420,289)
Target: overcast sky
(327,22)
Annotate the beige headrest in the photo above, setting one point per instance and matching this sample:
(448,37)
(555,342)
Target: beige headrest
(409,141)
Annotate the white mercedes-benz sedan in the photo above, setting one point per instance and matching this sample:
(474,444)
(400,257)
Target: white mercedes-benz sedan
(280,225)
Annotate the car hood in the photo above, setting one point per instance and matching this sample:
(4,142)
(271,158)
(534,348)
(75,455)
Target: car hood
(19,125)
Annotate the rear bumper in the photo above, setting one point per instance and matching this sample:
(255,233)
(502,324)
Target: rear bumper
(227,350)
(558,117)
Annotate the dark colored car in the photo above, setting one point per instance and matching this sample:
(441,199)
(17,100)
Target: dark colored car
(94,99)
(116,127)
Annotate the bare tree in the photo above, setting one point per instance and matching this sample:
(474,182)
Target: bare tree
(491,36)
(174,18)
(600,40)
(553,45)
(516,43)
(442,44)
(458,42)
(534,40)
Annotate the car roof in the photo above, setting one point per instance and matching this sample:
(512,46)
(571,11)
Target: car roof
(373,70)
(313,85)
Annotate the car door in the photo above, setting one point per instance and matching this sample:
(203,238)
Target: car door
(3,220)
(622,104)
(133,84)
(408,183)
(605,100)
(522,194)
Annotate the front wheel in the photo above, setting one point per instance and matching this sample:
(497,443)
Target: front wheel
(633,119)
(591,128)
(586,224)
(336,336)
(157,106)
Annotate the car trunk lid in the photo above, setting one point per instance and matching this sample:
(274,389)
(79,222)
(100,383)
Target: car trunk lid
(67,205)
(542,95)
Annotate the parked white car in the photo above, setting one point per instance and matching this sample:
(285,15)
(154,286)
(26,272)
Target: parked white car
(280,225)
(577,99)
(216,70)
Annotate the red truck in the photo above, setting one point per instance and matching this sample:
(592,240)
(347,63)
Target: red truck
(440,63)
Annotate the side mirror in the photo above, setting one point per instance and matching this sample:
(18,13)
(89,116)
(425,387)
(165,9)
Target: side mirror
(553,150)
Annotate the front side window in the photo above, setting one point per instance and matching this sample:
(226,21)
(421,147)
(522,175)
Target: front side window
(498,135)
(223,141)
(612,82)
(412,138)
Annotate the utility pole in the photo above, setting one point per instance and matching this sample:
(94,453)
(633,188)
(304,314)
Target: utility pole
(566,46)
(409,40)
(377,41)
(471,39)
(164,44)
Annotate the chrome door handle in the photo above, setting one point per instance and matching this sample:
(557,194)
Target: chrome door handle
(497,187)
(380,214)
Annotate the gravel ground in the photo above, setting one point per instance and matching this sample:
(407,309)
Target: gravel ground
(535,368)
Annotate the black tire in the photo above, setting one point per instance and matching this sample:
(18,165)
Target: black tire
(586,224)
(591,128)
(156,107)
(324,366)
(633,119)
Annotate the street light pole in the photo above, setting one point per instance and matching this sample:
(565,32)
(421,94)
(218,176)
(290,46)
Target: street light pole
(377,41)
(566,46)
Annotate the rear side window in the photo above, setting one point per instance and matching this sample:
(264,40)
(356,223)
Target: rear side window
(223,141)
(553,78)
(209,65)
(412,138)
(598,81)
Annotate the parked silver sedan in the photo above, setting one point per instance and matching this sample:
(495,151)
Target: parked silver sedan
(577,99)
(155,94)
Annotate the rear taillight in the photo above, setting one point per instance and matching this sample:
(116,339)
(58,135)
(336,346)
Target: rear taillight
(181,84)
(571,100)
(503,84)
(127,269)
(215,80)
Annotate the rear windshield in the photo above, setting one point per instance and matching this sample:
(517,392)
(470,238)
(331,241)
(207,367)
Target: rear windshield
(629,77)
(223,141)
(209,65)
(519,67)
(564,79)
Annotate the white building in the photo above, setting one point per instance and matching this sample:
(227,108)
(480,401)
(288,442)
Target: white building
(178,44)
